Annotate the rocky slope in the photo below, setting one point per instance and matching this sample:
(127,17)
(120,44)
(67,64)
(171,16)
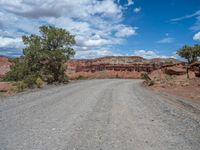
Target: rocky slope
(114,66)
(173,80)
(4,66)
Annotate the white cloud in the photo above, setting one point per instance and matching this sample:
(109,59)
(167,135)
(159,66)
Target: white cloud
(95,24)
(149,54)
(51,8)
(194,27)
(137,10)
(10,42)
(197,37)
(130,2)
(95,54)
(124,31)
(166,40)
(186,17)
(96,42)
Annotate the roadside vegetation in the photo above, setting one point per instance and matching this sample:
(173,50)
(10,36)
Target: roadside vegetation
(190,53)
(43,59)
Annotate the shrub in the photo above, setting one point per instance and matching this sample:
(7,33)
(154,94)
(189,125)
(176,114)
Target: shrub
(43,57)
(145,76)
(39,82)
(168,62)
(48,78)
(147,79)
(18,71)
(13,88)
(150,83)
(65,79)
(30,80)
(19,86)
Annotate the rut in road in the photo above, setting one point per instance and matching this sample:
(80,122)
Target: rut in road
(97,114)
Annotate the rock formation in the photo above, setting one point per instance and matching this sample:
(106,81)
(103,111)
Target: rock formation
(4,66)
(116,65)
(119,63)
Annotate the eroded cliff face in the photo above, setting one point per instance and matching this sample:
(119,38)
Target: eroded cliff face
(114,66)
(4,66)
(111,67)
(78,65)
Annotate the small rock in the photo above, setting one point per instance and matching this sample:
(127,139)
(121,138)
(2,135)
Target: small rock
(163,86)
(185,84)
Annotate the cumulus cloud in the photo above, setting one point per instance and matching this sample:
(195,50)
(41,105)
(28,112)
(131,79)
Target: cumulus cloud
(10,42)
(51,8)
(149,54)
(95,54)
(197,37)
(166,40)
(124,31)
(137,10)
(95,24)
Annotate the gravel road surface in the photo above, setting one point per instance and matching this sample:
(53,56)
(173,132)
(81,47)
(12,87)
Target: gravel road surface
(110,114)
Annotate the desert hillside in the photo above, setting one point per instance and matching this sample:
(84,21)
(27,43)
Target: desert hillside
(4,65)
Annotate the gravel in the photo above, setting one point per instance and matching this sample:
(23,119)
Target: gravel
(107,114)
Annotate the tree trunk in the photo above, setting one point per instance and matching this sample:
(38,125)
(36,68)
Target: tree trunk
(187,70)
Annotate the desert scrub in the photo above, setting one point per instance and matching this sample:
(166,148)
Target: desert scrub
(39,83)
(151,83)
(145,76)
(19,86)
(14,89)
(147,79)
(168,62)
(80,77)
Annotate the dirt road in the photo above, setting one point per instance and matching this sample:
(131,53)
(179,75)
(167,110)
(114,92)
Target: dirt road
(110,114)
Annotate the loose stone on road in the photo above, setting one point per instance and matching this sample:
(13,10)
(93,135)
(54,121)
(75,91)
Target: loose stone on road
(107,114)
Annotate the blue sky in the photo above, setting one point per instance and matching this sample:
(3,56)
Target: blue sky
(147,28)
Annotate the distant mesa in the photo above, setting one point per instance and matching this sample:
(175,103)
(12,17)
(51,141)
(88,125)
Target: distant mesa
(115,64)
(119,66)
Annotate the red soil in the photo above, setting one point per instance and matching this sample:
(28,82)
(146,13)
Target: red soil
(177,84)
(4,66)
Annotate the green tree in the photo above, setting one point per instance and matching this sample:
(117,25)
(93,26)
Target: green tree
(196,52)
(189,53)
(44,56)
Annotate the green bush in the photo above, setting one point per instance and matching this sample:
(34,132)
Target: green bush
(30,80)
(18,71)
(13,88)
(48,78)
(43,57)
(65,79)
(19,86)
(145,76)
(40,83)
